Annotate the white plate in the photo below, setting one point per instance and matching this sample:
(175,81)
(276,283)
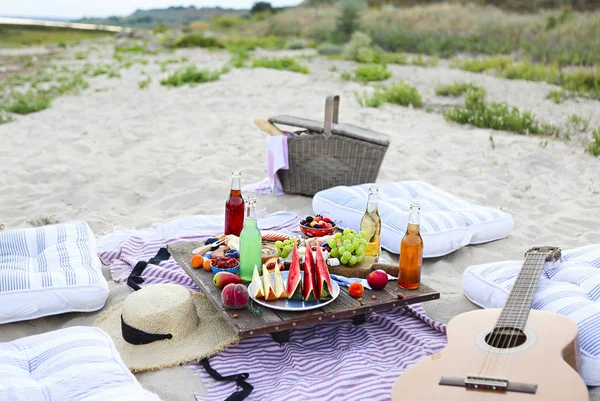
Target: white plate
(294,305)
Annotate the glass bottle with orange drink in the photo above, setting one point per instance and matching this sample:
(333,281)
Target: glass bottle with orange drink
(234,207)
(411,252)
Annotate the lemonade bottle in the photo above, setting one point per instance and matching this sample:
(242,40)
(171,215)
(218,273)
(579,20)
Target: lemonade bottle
(250,243)
(371,225)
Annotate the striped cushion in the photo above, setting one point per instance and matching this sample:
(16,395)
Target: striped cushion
(74,364)
(49,270)
(447,222)
(572,290)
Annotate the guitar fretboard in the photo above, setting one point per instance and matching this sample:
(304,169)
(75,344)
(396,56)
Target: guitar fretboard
(516,309)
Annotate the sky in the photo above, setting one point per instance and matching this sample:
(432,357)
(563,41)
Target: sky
(105,8)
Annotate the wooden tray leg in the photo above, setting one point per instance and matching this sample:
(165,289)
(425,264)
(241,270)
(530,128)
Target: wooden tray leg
(359,319)
(281,336)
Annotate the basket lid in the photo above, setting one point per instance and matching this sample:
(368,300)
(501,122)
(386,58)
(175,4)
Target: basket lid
(346,130)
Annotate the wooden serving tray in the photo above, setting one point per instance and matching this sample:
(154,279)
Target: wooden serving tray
(279,323)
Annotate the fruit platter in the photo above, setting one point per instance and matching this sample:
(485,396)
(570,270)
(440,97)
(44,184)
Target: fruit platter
(295,290)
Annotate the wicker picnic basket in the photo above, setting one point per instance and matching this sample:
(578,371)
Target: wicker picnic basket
(327,154)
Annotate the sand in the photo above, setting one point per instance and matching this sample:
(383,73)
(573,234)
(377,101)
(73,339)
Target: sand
(121,157)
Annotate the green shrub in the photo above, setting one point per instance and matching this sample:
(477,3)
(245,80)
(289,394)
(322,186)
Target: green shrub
(494,115)
(227,21)
(557,95)
(594,145)
(376,99)
(484,64)
(583,82)
(403,94)
(27,103)
(419,61)
(456,89)
(190,75)
(99,70)
(371,72)
(81,55)
(359,42)
(197,40)
(160,29)
(394,58)
(282,63)
(239,58)
(329,49)
(297,44)
(268,42)
(348,20)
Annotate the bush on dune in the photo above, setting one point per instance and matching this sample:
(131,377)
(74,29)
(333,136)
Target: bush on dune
(282,63)
(371,72)
(399,93)
(494,115)
(197,40)
(191,75)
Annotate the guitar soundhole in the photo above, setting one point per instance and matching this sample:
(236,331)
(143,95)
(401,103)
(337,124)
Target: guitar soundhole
(505,338)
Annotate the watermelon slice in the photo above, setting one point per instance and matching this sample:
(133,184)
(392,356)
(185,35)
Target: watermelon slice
(309,276)
(323,286)
(294,288)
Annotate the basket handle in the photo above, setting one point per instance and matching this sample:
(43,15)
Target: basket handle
(332,110)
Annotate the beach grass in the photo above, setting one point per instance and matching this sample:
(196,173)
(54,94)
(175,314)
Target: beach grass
(27,103)
(24,35)
(191,75)
(371,72)
(197,39)
(399,93)
(557,96)
(456,89)
(281,63)
(376,99)
(494,115)
(594,145)
(144,83)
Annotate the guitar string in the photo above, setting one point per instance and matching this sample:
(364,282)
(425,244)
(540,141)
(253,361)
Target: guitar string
(496,336)
(496,340)
(540,260)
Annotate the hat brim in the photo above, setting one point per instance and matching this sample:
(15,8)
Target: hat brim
(211,336)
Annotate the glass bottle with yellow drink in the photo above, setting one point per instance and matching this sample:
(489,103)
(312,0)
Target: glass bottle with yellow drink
(371,225)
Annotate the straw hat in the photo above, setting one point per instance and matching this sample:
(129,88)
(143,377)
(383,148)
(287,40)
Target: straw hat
(165,325)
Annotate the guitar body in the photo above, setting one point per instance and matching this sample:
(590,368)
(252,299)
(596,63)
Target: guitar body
(547,358)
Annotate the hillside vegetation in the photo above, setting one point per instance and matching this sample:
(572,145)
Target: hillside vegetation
(16,36)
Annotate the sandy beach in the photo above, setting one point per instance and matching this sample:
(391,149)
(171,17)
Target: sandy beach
(118,156)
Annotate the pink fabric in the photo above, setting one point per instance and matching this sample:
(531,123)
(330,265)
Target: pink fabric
(277,159)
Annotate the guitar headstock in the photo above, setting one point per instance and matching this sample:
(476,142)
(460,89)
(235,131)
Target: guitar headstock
(553,253)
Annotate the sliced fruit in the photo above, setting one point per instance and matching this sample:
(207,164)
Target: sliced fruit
(257,284)
(278,284)
(268,286)
(273,262)
(323,286)
(308,279)
(294,287)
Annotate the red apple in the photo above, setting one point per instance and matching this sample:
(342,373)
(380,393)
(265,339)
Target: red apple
(377,279)
(235,296)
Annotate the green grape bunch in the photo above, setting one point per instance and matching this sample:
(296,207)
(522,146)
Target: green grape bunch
(284,248)
(348,247)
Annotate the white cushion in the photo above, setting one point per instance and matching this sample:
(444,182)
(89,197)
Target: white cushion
(49,270)
(572,290)
(447,222)
(74,364)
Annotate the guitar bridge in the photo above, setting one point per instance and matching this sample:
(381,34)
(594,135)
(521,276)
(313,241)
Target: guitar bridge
(488,383)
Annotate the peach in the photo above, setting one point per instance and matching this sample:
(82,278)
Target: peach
(377,279)
(235,296)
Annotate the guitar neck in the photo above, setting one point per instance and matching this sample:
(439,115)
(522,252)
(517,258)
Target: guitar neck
(516,309)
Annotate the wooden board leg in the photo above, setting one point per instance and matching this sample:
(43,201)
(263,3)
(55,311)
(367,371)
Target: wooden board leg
(359,319)
(281,336)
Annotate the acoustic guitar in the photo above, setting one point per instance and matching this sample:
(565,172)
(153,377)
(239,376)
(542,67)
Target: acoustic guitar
(512,353)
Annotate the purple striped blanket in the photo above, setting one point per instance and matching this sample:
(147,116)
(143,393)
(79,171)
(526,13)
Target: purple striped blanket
(329,361)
